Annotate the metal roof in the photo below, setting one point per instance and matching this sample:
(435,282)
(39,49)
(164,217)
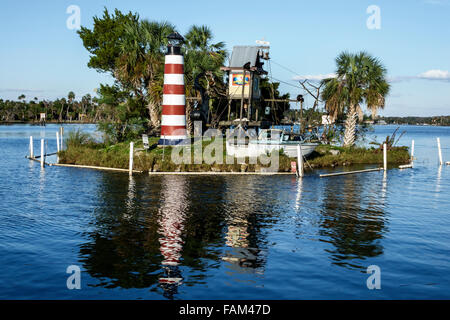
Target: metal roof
(243,54)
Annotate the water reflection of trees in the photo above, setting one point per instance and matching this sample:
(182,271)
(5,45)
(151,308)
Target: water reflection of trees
(122,248)
(353,218)
(147,231)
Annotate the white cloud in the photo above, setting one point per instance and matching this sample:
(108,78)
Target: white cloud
(316,77)
(435,75)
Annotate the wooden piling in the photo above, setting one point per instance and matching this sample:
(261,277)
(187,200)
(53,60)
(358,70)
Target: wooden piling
(42,154)
(61,133)
(385,157)
(349,172)
(131,158)
(412,151)
(57,146)
(31,148)
(299,161)
(91,167)
(439,151)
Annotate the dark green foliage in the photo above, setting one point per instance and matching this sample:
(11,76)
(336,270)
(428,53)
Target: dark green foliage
(435,121)
(103,41)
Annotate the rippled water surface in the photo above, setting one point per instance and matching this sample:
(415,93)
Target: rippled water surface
(223,237)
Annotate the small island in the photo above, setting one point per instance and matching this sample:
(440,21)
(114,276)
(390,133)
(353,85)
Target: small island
(81,150)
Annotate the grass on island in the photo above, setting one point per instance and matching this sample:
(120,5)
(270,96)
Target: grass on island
(81,150)
(323,156)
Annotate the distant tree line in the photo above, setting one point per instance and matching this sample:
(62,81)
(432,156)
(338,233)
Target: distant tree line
(59,110)
(435,120)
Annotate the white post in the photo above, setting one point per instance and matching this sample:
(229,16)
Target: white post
(31,147)
(131,157)
(440,151)
(299,160)
(164,146)
(385,157)
(61,129)
(57,147)
(412,152)
(42,154)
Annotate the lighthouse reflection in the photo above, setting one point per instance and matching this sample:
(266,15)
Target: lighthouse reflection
(159,234)
(172,216)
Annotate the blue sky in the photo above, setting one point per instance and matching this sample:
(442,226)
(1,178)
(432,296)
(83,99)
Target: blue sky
(42,58)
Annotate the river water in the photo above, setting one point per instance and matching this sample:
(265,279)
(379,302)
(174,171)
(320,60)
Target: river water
(223,237)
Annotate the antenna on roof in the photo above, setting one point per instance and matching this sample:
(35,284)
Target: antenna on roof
(264,47)
(263,43)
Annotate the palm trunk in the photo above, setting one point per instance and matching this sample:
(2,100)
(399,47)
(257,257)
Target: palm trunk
(60,114)
(374,113)
(350,127)
(189,125)
(155,120)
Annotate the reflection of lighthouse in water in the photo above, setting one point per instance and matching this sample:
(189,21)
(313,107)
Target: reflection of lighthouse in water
(172,216)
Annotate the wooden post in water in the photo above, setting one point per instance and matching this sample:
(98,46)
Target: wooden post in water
(440,151)
(385,157)
(300,161)
(412,152)
(57,147)
(31,148)
(242,98)
(61,129)
(131,157)
(42,154)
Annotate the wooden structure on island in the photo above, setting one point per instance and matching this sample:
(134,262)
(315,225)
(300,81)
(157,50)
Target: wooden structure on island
(243,91)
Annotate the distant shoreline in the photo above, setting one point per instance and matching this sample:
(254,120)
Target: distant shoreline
(37,123)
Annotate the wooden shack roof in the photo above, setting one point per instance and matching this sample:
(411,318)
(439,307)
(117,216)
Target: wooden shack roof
(243,54)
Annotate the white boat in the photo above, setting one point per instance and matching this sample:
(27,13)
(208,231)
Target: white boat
(269,140)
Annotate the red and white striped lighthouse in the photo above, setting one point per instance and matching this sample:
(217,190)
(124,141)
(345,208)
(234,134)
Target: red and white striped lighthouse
(173,119)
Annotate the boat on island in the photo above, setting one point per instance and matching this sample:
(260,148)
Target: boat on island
(269,140)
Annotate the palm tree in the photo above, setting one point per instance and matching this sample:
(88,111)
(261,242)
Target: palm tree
(22,106)
(202,56)
(62,102)
(141,62)
(360,78)
(70,98)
